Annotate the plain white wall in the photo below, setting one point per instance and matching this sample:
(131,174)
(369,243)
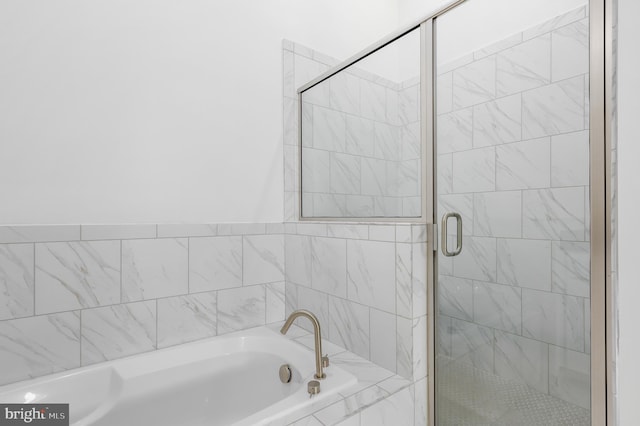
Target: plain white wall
(629,208)
(115,111)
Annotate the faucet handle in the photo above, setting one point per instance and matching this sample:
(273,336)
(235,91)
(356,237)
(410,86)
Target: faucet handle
(325,361)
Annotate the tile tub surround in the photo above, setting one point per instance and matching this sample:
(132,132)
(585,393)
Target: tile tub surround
(76,295)
(513,142)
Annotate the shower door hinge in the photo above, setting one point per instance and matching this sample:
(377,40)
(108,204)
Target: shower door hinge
(432,235)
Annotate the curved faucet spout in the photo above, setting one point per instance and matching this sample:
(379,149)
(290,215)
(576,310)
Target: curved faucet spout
(316,334)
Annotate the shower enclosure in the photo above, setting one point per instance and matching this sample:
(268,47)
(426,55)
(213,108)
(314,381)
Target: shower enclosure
(491,128)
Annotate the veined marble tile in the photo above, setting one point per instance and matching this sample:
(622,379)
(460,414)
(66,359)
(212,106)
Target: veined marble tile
(455,297)
(455,131)
(554,214)
(387,206)
(409,104)
(349,325)
(38,233)
(215,263)
(497,306)
(411,147)
(372,101)
(360,206)
(298,259)
(420,402)
(186,318)
(394,383)
(419,279)
(329,129)
(474,170)
(234,229)
(359,139)
(444,94)
(307,69)
(570,159)
(76,275)
(570,267)
(36,346)
(458,203)
(330,205)
(366,372)
(291,204)
(472,344)
(525,263)
(16,280)
(444,330)
(329,265)
(275,302)
(374,176)
(570,50)
(497,214)
(308,340)
(409,178)
(308,421)
(291,181)
(288,71)
(345,409)
(477,261)
(274,228)
(290,298)
(345,93)
(587,326)
(523,165)
(474,83)
(290,121)
(498,46)
(154,268)
(569,376)
(419,353)
(316,302)
(345,174)
(118,232)
(411,206)
(553,318)
(393,184)
(524,66)
(176,230)
(353,232)
(382,232)
(240,308)
(393,116)
(386,141)
(404,347)
(306,124)
(452,65)
(522,359)
(498,121)
(263,259)
(404,285)
(395,410)
(312,229)
(445,174)
(553,109)
(558,21)
(117,331)
(383,339)
(371,273)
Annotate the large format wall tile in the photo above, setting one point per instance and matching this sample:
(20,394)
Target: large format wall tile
(477,261)
(455,131)
(472,344)
(371,273)
(570,50)
(569,376)
(117,331)
(240,308)
(474,83)
(455,297)
(35,346)
(329,265)
(16,280)
(570,159)
(524,66)
(523,165)
(497,306)
(183,319)
(498,214)
(498,121)
(554,214)
(298,259)
(345,173)
(570,267)
(522,359)
(525,263)
(349,325)
(474,170)
(154,268)
(263,259)
(77,275)
(215,263)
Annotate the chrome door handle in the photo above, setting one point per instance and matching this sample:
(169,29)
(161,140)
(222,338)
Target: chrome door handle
(443,244)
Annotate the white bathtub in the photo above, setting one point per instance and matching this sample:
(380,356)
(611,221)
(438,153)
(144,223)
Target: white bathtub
(227,380)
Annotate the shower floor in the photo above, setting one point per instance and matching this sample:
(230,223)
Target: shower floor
(468,396)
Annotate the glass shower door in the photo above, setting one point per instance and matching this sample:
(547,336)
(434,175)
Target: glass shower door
(512,143)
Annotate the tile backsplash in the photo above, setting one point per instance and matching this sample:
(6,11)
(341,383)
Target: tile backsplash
(77,295)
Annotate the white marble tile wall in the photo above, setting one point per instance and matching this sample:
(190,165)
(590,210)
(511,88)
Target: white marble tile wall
(366,284)
(78,295)
(361,141)
(513,158)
